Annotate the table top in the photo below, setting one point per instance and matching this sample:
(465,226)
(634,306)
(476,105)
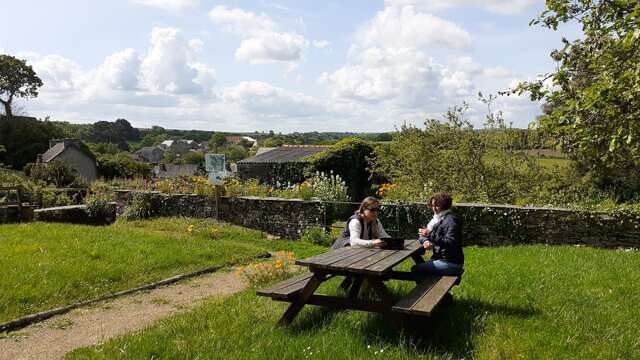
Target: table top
(373,261)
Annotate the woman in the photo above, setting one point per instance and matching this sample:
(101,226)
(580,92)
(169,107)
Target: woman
(443,236)
(363,228)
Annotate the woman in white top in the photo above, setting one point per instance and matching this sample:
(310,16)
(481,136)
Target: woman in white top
(363,228)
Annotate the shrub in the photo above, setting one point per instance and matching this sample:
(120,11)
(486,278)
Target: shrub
(317,235)
(98,207)
(261,274)
(56,173)
(140,207)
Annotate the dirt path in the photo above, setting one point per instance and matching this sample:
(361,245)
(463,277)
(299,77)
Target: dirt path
(53,338)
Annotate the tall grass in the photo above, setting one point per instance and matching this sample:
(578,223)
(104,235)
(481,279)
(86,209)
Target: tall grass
(531,302)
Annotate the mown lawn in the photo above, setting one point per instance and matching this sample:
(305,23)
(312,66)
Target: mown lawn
(531,302)
(50,265)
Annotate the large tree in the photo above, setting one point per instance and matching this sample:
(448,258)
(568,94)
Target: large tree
(593,103)
(17,79)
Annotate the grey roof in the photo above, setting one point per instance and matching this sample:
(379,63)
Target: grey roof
(263,150)
(51,154)
(286,153)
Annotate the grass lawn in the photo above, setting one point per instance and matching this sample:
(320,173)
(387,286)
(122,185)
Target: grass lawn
(531,302)
(50,265)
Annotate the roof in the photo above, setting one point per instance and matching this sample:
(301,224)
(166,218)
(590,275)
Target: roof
(63,144)
(149,150)
(285,153)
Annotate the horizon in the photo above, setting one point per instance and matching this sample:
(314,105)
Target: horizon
(257,66)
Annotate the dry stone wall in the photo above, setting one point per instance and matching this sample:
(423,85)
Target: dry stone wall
(484,225)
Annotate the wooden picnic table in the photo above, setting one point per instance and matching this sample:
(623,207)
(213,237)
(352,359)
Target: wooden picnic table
(371,265)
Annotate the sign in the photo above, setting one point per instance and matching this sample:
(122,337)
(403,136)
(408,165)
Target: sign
(214,164)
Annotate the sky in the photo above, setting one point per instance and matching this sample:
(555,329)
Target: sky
(284,65)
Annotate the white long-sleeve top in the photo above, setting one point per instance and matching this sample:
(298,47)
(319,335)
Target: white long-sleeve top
(360,237)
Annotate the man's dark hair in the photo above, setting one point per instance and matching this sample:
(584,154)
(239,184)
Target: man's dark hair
(442,200)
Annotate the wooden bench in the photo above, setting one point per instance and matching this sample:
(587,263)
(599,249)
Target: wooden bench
(287,289)
(426,296)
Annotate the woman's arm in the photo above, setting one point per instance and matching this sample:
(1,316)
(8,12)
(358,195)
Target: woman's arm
(355,231)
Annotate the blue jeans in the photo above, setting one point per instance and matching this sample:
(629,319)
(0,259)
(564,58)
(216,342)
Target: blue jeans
(436,267)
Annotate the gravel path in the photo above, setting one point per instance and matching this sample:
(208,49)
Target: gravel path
(53,338)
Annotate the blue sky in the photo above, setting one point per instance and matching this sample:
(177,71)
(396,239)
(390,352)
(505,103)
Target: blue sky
(359,65)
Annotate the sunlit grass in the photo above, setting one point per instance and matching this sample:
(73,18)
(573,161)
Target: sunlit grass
(531,302)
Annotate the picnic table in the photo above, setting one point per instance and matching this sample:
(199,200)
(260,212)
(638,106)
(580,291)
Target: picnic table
(371,265)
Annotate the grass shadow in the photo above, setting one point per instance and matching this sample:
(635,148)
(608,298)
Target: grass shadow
(450,332)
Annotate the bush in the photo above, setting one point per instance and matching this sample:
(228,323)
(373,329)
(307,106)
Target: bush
(317,235)
(98,207)
(56,173)
(139,208)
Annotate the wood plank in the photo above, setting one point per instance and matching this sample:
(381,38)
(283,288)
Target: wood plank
(414,296)
(304,296)
(390,261)
(283,284)
(361,265)
(328,257)
(346,262)
(10,203)
(435,295)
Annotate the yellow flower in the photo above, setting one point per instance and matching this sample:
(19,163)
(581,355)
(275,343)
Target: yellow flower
(190,229)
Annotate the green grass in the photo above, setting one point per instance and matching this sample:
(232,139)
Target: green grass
(531,302)
(50,265)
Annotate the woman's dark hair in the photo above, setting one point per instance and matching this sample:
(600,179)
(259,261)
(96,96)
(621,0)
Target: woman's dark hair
(441,199)
(366,203)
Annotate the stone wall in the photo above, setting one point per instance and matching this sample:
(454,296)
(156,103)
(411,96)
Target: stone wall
(76,214)
(282,217)
(484,225)
(11,214)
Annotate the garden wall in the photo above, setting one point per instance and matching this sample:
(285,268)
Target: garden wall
(282,217)
(77,214)
(12,214)
(484,225)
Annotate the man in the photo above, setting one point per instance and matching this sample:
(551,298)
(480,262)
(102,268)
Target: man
(443,235)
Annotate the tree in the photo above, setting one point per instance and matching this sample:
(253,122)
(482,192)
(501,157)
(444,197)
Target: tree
(349,159)
(217,140)
(593,106)
(17,79)
(24,138)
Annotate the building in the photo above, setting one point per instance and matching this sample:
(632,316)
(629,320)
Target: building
(75,154)
(179,146)
(150,154)
(282,164)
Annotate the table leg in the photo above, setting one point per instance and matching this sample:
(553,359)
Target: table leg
(355,288)
(417,258)
(306,293)
(387,299)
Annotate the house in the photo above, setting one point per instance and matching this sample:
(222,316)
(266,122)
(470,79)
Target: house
(150,154)
(270,166)
(179,146)
(75,154)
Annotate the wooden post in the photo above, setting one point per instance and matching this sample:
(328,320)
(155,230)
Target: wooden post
(217,203)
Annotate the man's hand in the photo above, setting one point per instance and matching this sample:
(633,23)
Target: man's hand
(424,232)
(427,245)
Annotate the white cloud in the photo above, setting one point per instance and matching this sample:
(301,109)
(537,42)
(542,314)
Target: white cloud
(241,22)
(272,47)
(406,27)
(120,71)
(57,73)
(265,99)
(509,7)
(168,65)
(169,5)
(321,44)
(262,42)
